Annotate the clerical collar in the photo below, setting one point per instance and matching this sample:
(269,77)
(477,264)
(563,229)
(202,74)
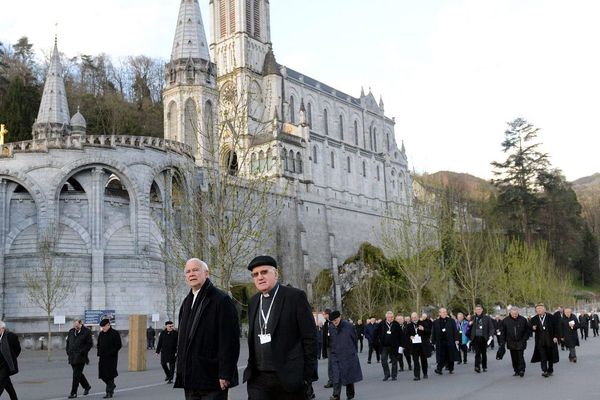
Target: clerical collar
(271,292)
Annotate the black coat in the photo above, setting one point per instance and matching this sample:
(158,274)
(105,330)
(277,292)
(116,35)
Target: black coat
(79,345)
(452,337)
(425,333)
(109,344)
(345,365)
(552,328)
(568,334)
(208,345)
(514,333)
(167,346)
(293,341)
(150,333)
(395,335)
(488,326)
(325,339)
(10,348)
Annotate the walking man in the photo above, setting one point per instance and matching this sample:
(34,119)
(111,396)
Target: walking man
(150,337)
(419,333)
(389,337)
(370,334)
(482,334)
(167,348)
(546,339)
(463,333)
(9,352)
(515,333)
(360,334)
(109,344)
(79,343)
(344,357)
(327,346)
(568,332)
(445,337)
(208,342)
(281,337)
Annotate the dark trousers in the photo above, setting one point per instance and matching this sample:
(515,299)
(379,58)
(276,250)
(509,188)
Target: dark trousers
(266,386)
(78,378)
(446,358)
(198,395)
(329,367)
(360,344)
(150,343)
(337,390)
(572,353)
(419,360)
(584,332)
(389,352)
(595,330)
(6,383)
(169,367)
(408,358)
(373,348)
(518,360)
(480,346)
(546,358)
(464,350)
(110,385)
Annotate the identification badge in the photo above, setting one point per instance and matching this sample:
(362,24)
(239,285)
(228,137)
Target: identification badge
(544,328)
(444,330)
(460,332)
(389,332)
(480,327)
(264,339)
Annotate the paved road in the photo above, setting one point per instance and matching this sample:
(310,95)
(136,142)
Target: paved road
(42,380)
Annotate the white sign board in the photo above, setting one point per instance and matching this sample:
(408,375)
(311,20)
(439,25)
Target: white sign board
(155,317)
(59,320)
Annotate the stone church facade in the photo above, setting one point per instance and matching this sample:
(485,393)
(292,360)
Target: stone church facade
(101,199)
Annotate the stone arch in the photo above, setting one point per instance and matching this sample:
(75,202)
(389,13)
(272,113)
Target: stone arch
(111,231)
(12,235)
(83,233)
(31,186)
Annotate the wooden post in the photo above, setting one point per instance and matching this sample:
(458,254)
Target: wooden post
(137,343)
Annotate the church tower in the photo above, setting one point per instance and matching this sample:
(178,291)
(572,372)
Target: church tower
(190,96)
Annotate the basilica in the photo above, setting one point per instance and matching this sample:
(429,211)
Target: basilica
(99,198)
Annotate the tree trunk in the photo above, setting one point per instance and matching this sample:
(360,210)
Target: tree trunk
(49,347)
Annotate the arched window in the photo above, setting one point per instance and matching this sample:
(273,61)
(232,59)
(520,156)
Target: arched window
(172,118)
(356,133)
(222,18)
(190,124)
(269,159)
(208,119)
(257,19)
(292,162)
(231,16)
(375,138)
(284,157)
(378,176)
(371,138)
(253,163)
(292,110)
(298,163)
(341,127)
(332,160)
(348,164)
(261,161)
(309,114)
(364,166)
(387,141)
(325,122)
(315,154)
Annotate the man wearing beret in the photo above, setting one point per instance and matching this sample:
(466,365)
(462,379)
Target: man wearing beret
(208,344)
(281,337)
(167,348)
(109,344)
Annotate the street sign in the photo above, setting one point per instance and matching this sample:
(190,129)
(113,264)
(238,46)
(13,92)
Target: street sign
(155,317)
(93,317)
(59,320)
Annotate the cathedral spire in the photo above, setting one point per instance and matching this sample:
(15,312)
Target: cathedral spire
(53,114)
(190,38)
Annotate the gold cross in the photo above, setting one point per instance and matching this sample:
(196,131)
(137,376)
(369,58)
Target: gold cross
(3,132)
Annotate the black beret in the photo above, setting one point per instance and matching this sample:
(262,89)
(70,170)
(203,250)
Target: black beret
(105,321)
(327,311)
(262,260)
(169,323)
(334,314)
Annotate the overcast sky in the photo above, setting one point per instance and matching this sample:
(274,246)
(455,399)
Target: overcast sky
(452,72)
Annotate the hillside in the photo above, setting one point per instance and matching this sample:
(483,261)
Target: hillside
(588,185)
(471,187)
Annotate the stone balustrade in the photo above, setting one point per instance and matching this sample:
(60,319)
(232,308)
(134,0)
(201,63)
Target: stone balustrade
(108,141)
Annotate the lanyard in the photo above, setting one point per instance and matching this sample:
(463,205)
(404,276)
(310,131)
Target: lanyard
(543,319)
(265,319)
(390,326)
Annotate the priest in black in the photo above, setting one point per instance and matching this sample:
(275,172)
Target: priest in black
(79,344)
(281,337)
(419,334)
(390,335)
(208,341)
(514,331)
(482,331)
(109,344)
(568,326)
(167,348)
(546,338)
(444,336)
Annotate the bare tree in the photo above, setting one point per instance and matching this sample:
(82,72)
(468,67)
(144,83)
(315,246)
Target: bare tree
(49,284)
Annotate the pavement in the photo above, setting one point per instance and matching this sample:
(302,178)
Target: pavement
(43,380)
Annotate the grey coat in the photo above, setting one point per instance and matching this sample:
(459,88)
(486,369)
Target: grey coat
(344,360)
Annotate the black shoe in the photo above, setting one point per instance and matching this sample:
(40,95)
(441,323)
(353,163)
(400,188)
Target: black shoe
(425,376)
(464,362)
(550,373)
(368,362)
(170,381)
(451,371)
(522,374)
(167,378)
(416,378)
(328,385)
(87,391)
(545,374)
(485,370)
(334,398)
(516,374)
(385,378)
(409,368)
(477,370)
(438,371)
(108,396)
(72,396)
(459,362)
(394,378)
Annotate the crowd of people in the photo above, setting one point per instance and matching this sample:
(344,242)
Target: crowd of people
(285,340)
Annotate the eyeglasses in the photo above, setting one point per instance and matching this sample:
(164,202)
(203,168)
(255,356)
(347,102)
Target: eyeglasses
(256,274)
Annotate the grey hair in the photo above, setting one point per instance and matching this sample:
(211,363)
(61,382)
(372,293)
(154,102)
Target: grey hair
(198,262)
(2,325)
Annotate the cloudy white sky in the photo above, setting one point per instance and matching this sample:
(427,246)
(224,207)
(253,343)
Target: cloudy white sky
(452,72)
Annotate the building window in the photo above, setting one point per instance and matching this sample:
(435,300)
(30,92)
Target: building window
(371,138)
(292,162)
(222,18)
(262,162)
(348,163)
(341,127)
(292,110)
(253,163)
(269,159)
(257,19)
(355,133)
(286,165)
(378,176)
(231,17)
(249,16)
(332,160)
(387,141)
(364,165)
(315,154)
(309,112)
(325,122)
(298,163)
(375,138)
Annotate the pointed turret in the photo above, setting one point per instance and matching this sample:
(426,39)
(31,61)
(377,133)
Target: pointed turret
(270,66)
(190,38)
(53,116)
